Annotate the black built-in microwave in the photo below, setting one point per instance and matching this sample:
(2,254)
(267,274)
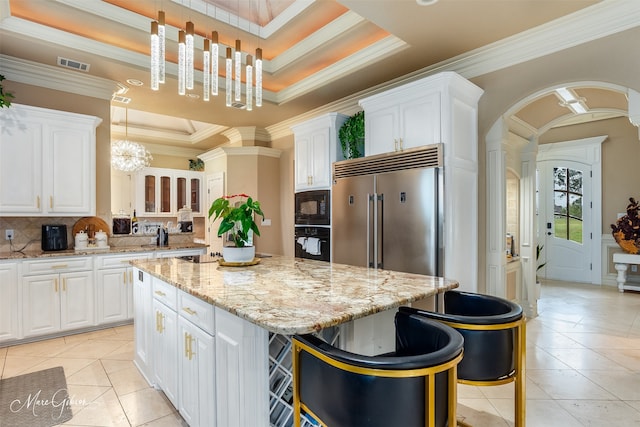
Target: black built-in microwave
(313,207)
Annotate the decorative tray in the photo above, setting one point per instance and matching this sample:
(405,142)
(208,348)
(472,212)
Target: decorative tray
(238,264)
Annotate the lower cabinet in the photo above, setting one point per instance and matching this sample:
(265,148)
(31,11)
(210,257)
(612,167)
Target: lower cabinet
(212,365)
(9,306)
(197,374)
(57,302)
(165,345)
(114,286)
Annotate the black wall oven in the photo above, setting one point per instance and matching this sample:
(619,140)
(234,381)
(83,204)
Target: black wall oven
(313,243)
(313,207)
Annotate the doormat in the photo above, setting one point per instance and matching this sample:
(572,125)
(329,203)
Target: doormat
(38,399)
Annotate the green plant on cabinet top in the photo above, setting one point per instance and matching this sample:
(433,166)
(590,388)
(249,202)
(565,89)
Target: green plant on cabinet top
(5,97)
(351,135)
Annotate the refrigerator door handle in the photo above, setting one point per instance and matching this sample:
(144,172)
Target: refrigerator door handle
(379,213)
(370,224)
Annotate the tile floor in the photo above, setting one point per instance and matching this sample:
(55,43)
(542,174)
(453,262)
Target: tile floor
(583,369)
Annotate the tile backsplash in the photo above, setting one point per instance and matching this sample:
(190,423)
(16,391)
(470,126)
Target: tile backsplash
(28,231)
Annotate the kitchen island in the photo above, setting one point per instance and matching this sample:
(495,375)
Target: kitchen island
(215,339)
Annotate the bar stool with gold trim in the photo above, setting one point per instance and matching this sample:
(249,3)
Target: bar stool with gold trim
(494,341)
(413,387)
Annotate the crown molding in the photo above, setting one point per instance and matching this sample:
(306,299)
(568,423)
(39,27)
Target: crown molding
(36,74)
(219,152)
(170,150)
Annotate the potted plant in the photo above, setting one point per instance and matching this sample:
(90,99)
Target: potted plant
(238,222)
(5,97)
(351,135)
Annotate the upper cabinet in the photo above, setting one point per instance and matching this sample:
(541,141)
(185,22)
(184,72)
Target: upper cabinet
(47,162)
(162,192)
(316,147)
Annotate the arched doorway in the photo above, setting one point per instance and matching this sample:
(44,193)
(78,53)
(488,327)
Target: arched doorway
(514,138)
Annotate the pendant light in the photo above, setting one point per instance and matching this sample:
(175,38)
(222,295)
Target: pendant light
(155,56)
(258,77)
(162,47)
(206,74)
(228,77)
(181,62)
(214,62)
(249,82)
(238,70)
(189,55)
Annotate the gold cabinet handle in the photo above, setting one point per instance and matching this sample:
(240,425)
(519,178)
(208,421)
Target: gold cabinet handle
(131,276)
(38,201)
(186,344)
(124,277)
(159,322)
(51,202)
(55,285)
(162,294)
(59,266)
(64,284)
(401,144)
(189,310)
(188,349)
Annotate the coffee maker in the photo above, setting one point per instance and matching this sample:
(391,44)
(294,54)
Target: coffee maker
(54,237)
(185,220)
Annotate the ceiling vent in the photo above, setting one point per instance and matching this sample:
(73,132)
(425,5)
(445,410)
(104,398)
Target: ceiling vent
(74,65)
(119,98)
(239,105)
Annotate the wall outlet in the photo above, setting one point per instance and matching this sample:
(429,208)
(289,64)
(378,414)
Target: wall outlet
(634,268)
(8,234)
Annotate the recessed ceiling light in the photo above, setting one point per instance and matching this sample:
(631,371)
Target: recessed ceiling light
(193,95)
(426,2)
(135,82)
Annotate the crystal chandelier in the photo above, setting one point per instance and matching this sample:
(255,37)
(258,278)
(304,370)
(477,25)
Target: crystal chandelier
(210,57)
(129,156)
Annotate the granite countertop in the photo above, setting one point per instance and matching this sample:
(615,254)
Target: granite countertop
(294,295)
(38,253)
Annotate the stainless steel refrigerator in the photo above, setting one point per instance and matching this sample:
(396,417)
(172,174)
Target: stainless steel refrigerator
(387,213)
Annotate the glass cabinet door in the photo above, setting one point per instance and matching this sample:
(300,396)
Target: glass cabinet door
(195,194)
(150,193)
(165,194)
(181,192)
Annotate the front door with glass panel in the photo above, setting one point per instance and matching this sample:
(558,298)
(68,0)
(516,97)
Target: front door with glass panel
(565,220)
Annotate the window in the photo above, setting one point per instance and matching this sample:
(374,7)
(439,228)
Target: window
(567,205)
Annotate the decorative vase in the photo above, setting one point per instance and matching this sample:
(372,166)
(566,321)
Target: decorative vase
(235,254)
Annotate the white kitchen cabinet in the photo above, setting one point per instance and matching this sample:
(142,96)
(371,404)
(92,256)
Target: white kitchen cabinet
(122,191)
(162,192)
(47,162)
(316,147)
(9,302)
(143,323)
(241,348)
(197,374)
(57,302)
(114,287)
(398,121)
(165,341)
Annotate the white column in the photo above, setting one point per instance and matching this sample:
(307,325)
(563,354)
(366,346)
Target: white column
(496,209)
(528,227)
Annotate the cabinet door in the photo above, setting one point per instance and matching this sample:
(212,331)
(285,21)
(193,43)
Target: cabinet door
(9,302)
(241,347)
(381,131)
(320,162)
(122,191)
(70,181)
(112,295)
(40,304)
(20,166)
(76,300)
(420,121)
(143,324)
(196,359)
(302,168)
(165,350)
